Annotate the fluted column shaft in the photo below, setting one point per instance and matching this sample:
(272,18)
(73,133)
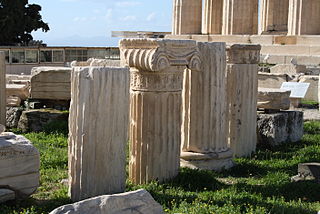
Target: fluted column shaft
(240,17)
(3,96)
(242,77)
(304,16)
(156,68)
(98,127)
(205,115)
(274,16)
(212,20)
(187,17)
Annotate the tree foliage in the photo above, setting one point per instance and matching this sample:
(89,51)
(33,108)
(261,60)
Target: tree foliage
(17,20)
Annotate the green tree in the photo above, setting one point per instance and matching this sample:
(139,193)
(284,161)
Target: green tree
(17,20)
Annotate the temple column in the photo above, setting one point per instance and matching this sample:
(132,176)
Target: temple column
(98,131)
(240,17)
(156,68)
(3,96)
(187,17)
(205,115)
(212,20)
(304,16)
(274,16)
(242,87)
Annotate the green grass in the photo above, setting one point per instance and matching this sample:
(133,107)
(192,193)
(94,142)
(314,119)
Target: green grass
(260,184)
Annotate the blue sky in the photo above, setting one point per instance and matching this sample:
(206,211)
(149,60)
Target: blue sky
(89,23)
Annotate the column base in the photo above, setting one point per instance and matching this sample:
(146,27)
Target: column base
(209,161)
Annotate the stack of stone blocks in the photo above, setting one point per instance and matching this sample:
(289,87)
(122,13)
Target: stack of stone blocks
(178,111)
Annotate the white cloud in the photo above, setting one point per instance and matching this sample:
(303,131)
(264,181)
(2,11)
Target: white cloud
(129,18)
(127,3)
(151,16)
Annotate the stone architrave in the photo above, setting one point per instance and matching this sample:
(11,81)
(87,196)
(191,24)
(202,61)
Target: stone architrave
(205,115)
(273,99)
(242,87)
(212,20)
(52,83)
(98,127)
(187,17)
(304,16)
(156,68)
(240,17)
(3,97)
(274,16)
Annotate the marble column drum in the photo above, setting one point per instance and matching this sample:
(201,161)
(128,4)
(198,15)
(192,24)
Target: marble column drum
(187,17)
(3,96)
(212,20)
(304,16)
(242,87)
(274,16)
(205,115)
(98,131)
(156,68)
(240,17)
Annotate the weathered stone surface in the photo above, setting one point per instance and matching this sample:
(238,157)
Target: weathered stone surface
(6,195)
(36,120)
(18,79)
(2,128)
(13,117)
(274,99)
(273,16)
(240,17)
(98,131)
(187,17)
(308,172)
(2,88)
(313,90)
(278,128)
(156,68)
(267,80)
(205,106)
(51,83)
(242,90)
(136,202)
(304,17)
(19,90)
(97,62)
(290,69)
(13,101)
(19,165)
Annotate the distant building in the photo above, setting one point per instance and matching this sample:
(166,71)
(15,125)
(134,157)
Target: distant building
(139,34)
(21,59)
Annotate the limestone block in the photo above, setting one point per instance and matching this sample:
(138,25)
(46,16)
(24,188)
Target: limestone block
(274,16)
(268,80)
(187,17)
(13,101)
(290,69)
(2,128)
(242,89)
(6,195)
(240,17)
(2,89)
(205,116)
(156,68)
(97,62)
(136,202)
(19,165)
(278,128)
(304,17)
(212,17)
(18,79)
(18,90)
(36,120)
(274,99)
(51,83)
(98,127)
(313,90)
